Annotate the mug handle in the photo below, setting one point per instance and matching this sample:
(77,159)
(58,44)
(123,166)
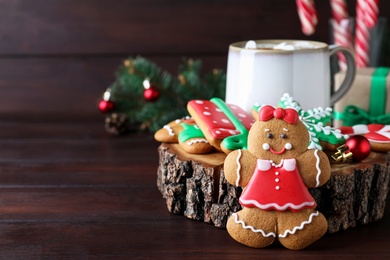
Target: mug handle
(350,73)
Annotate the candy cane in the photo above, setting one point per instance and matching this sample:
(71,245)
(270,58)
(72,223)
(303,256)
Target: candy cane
(372,13)
(342,32)
(307,15)
(362,35)
(339,10)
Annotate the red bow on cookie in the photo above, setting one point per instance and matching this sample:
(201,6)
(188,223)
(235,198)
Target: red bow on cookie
(268,112)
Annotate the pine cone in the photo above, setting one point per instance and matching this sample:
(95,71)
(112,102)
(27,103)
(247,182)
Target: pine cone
(117,124)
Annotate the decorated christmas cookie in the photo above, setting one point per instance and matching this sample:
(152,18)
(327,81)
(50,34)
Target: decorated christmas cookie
(170,132)
(276,172)
(316,120)
(377,134)
(192,139)
(224,126)
(186,133)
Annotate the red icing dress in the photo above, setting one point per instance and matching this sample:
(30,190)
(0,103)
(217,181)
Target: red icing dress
(277,187)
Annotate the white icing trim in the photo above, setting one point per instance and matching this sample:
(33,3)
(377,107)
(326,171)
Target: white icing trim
(384,134)
(169,129)
(289,165)
(288,231)
(285,129)
(194,141)
(277,206)
(318,168)
(385,128)
(360,129)
(277,165)
(251,227)
(238,167)
(376,141)
(263,165)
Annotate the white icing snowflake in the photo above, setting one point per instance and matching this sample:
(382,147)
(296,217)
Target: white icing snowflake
(315,120)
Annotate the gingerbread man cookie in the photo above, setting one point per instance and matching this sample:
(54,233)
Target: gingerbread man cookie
(276,172)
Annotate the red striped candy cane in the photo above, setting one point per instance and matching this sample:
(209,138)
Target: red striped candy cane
(362,37)
(372,13)
(342,36)
(307,15)
(342,32)
(339,10)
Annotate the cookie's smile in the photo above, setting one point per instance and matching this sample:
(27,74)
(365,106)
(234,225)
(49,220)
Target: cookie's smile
(276,152)
(286,147)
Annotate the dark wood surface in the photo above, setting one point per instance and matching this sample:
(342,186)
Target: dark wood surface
(68,190)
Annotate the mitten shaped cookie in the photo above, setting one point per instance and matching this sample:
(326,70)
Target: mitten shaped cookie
(225,126)
(276,172)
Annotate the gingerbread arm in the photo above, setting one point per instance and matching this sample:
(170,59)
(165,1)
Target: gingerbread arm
(239,167)
(314,168)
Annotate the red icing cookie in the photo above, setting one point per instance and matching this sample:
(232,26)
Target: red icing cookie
(214,123)
(377,134)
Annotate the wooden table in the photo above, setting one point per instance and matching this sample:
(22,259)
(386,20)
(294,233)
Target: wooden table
(69,190)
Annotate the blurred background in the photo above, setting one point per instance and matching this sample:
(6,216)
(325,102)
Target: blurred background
(57,57)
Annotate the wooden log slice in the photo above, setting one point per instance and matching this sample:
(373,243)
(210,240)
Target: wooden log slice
(195,186)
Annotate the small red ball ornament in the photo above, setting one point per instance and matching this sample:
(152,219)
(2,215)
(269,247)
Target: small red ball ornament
(106,106)
(151,94)
(359,146)
(356,148)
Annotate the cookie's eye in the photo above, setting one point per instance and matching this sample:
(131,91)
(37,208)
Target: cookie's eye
(269,135)
(284,136)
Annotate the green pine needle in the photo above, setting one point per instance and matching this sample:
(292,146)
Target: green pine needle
(175,91)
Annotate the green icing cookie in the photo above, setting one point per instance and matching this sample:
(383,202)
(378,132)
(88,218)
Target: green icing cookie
(234,142)
(190,131)
(316,121)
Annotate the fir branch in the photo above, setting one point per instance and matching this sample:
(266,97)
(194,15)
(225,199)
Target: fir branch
(175,91)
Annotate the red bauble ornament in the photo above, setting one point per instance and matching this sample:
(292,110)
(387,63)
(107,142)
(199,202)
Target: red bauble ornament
(151,94)
(359,146)
(106,106)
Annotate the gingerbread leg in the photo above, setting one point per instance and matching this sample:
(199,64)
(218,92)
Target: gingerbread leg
(297,230)
(253,227)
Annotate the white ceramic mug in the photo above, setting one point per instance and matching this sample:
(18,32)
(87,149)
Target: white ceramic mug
(260,72)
